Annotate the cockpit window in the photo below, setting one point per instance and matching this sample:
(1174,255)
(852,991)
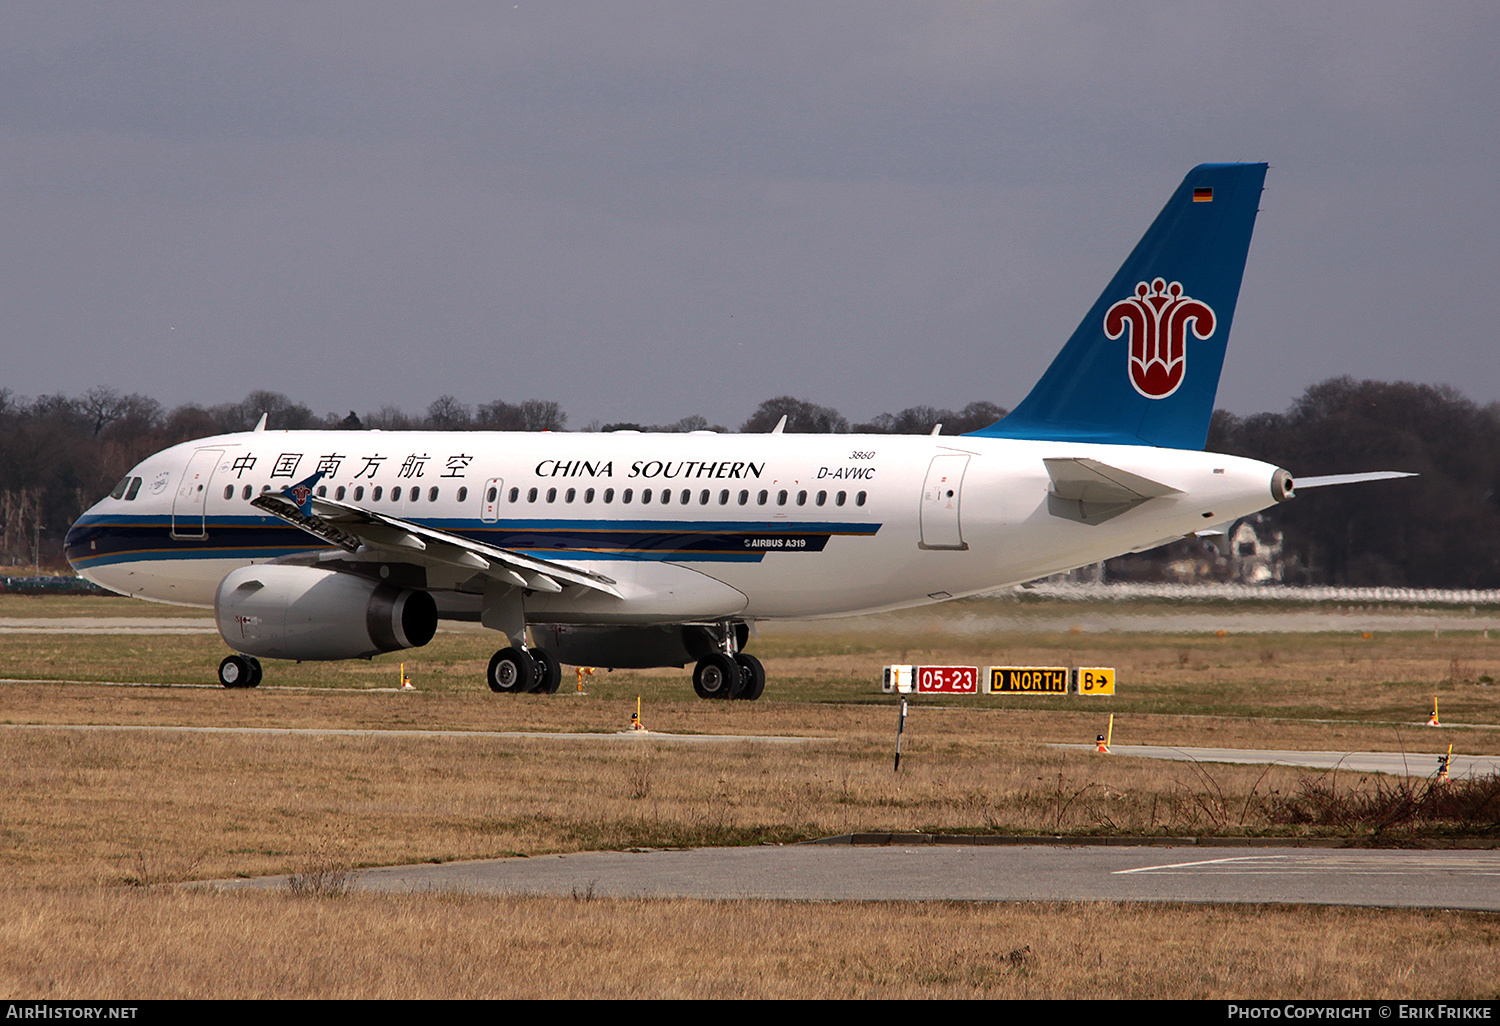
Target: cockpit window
(119,489)
(135,487)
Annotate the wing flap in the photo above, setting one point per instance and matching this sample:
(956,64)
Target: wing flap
(353,528)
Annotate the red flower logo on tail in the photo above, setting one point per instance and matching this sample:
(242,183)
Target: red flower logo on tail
(1158,317)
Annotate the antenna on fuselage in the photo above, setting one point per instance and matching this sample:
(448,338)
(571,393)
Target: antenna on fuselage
(260,425)
(780,426)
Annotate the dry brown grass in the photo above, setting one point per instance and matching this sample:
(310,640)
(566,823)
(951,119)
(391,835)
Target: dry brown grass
(91,822)
(173,944)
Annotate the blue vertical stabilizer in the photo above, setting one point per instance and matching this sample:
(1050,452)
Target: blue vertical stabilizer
(1143,367)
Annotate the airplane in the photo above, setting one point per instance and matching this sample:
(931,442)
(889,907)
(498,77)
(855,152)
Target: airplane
(632,549)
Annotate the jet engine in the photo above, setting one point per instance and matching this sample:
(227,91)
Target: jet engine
(308,613)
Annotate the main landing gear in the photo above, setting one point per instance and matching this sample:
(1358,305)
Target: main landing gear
(239,671)
(729,676)
(729,673)
(513,670)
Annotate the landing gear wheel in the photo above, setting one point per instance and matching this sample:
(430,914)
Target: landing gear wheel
(511,671)
(752,677)
(717,676)
(237,671)
(548,672)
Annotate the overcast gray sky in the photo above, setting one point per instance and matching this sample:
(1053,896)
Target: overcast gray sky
(650,210)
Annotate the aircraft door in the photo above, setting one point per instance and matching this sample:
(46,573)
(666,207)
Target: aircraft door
(490,511)
(941,493)
(192,495)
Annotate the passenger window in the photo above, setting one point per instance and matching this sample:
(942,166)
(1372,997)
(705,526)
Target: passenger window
(338,493)
(551,494)
(322,491)
(571,494)
(838,500)
(822,498)
(703,497)
(859,498)
(802,498)
(395,494)
(761,499)
(686,497)
(245,493)
(359,493)
(463,493)
(228,492)
(588,495)
(376,493)
(666,495)
(531,495)
(489,496)
(724,497)
(645,495)
(781,498)
(432,494)
(515,493)
(744,497)
(609,495)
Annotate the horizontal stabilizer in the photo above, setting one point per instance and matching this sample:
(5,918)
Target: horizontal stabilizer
(1299,483)
(1091,492)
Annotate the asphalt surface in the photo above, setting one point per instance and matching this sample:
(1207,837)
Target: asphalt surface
(1402,764)
(951,872)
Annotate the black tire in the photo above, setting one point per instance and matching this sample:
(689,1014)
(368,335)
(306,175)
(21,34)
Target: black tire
(254,680)
(752,677)
(717,676)
(548,672)
(511,671)
(237,671)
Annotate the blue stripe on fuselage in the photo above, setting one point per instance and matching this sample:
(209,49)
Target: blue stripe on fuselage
(103,540)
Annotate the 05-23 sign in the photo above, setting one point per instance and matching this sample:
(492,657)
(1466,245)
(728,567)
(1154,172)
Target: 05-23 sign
(949,680)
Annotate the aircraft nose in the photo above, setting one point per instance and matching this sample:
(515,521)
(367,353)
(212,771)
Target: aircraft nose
(81,538)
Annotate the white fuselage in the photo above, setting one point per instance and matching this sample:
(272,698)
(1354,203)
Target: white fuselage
(751,527)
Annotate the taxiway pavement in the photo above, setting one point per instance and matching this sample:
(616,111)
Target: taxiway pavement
(958,872)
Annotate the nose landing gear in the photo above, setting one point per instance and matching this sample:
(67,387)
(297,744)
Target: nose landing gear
(239,671)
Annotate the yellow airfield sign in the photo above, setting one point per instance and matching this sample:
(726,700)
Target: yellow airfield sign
(1094,680)
(1049,680)
(1027,680)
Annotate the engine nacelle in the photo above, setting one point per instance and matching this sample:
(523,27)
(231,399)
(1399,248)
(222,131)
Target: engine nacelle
(308,613)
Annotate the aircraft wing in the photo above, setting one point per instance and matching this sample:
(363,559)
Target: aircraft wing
(353,528)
